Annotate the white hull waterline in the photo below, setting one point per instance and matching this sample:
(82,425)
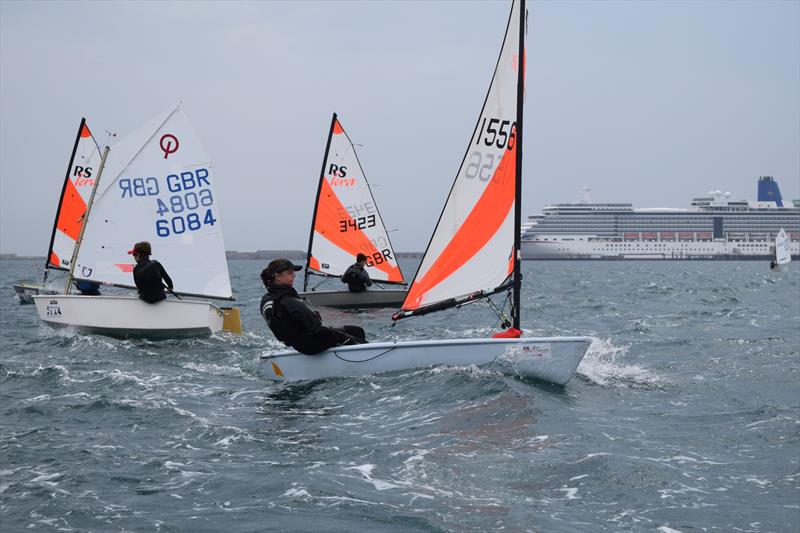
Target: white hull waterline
(552,359)
(127,316)
(355,300)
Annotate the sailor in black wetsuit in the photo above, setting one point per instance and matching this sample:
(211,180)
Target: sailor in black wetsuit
(148,275)
(291,321)
(356,275)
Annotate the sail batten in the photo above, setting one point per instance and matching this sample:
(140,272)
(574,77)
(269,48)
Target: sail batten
(473,248)
(346,220)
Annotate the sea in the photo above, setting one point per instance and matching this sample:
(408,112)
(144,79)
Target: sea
(684,416)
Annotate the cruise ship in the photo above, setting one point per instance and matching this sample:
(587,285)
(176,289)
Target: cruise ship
(712,227)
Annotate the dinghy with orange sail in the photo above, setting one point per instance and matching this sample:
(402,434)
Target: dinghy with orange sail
(346,223)
(156,185)
(81,173)
(474,253)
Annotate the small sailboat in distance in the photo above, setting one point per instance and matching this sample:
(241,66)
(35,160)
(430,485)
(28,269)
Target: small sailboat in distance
(156,184)
(346,222)
(81,173)
(783,255)
(474,253)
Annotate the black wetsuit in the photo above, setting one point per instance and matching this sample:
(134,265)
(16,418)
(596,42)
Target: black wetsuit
(148,276)
(356,278)
(295,325)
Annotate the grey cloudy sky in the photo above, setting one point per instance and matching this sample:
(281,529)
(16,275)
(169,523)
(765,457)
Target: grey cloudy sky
(650,102)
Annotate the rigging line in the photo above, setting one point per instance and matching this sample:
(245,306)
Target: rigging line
(364,360)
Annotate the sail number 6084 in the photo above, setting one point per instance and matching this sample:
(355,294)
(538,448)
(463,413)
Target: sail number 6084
(179,224)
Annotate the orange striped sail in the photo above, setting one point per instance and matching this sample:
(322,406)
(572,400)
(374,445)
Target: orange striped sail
(78,183)
(472,249)
(346,218)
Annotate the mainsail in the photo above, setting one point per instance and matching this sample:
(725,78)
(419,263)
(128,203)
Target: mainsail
(346,220)
(158,186)
(782,253)
(78,182)
(474,248)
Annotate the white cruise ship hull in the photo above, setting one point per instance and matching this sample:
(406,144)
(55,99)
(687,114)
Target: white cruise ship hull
(590,247)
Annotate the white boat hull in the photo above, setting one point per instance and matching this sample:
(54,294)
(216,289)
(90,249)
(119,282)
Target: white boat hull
(127,316)
(355,300)
(552,359)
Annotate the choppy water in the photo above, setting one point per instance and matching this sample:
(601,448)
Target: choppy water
(684,416)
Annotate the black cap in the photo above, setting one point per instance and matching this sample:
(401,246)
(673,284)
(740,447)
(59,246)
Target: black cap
(276,267)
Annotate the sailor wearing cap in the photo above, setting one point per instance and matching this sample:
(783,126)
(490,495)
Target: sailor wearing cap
(291,321)
(148,275)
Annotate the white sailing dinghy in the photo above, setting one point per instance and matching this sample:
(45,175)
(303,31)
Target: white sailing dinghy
(473,253)
(155,185)
(346,222)
(81,172)
(783,254)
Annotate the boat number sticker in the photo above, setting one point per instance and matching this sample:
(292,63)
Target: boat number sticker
(169,144)
(528,350)
(53,309)
(183,201)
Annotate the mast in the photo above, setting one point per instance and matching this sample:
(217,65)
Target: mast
(316,201)
(61,199)
(515,309)
(85,223)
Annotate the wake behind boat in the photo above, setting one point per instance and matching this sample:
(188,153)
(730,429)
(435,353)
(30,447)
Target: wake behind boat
(474,253)
(158,185)
(346,223)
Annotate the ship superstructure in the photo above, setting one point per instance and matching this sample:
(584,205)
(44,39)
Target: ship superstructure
(713,227)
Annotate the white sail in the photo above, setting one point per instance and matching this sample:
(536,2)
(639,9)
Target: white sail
(158,186)
(472,247)
(346,218)
(782,253)
(81,173)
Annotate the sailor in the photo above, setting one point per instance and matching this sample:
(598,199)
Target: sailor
(148,275)
(773,265)
(356,276)
(291,321)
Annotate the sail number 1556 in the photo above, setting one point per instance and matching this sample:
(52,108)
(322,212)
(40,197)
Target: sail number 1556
(502,134)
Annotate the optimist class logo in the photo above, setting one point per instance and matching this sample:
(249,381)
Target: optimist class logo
(169,144)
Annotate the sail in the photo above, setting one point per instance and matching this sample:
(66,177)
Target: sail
(158,186)
(78,182)
(346,219)
(472,247)
(782,253)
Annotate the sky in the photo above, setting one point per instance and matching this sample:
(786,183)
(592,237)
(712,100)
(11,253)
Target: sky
(647,102)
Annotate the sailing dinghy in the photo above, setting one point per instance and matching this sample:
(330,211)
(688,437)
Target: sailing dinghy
(346,222)
(474,252)
(783,255)
(81,172)
(157,184)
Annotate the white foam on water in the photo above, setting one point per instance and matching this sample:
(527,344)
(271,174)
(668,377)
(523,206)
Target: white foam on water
(601,366)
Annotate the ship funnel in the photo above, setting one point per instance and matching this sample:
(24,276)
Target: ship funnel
(768,191)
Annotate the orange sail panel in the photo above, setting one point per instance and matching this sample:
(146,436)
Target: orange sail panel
(75,192)
(346,218)
(332,217)
(479,226)
(468,252)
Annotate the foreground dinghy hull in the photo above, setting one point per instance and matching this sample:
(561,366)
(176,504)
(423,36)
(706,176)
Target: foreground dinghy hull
(355,300)
(127,316)
(552,359)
